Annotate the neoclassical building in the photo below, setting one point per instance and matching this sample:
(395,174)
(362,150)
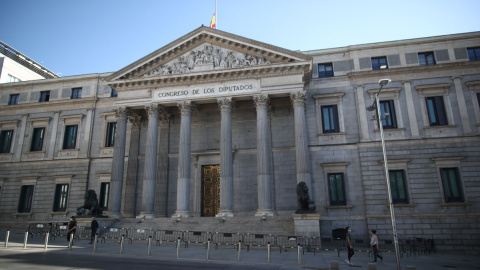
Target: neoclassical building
(217,126)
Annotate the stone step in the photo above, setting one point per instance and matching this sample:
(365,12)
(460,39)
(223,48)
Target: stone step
(271,225)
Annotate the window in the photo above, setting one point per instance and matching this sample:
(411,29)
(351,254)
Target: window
(11,78)
(44,96)
(436,111)
(325,70)
(26,196)
(6,141)
(61,196)
(110,139)
(426,58)
(13,99)
(336,187)
(104,192)
(398,186)
(473,53)
(452,188)
(330,119)
(113,93)
(387,109)
(76,93)
(37,139)
(70,138)
(379,63)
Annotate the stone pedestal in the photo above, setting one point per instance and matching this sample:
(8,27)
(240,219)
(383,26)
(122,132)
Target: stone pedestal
(307,225)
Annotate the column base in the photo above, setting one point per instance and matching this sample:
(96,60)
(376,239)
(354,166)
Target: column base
(182,214)
(225,213)
(265,213)
(115,215)
(144,215)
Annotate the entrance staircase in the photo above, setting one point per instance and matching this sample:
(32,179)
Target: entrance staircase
(277,225)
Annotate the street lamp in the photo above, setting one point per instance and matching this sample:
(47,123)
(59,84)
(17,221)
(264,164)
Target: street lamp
(376,106)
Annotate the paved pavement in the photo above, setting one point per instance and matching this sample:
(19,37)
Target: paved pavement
(135,256)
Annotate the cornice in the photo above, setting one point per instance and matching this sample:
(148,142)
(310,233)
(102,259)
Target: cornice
(214,76)
(54,104)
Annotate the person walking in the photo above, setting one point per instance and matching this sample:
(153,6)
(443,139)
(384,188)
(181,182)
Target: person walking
(72,228)
(93,227)
(349,244)
(374,245)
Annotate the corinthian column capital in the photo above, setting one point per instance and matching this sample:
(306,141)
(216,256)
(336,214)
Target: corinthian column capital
(153,110)
(261,101)
(225,103)
(185,107)
(122,112)
(298,98)
(164,118)
(135,120)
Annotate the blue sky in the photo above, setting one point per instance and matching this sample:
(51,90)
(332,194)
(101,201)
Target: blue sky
(93,36)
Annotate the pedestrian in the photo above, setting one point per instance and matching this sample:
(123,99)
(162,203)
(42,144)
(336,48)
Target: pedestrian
(374,245)
(349,244)
(72,228)
(93,227)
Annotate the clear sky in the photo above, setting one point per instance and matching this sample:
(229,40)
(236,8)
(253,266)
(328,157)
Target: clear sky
(74,37)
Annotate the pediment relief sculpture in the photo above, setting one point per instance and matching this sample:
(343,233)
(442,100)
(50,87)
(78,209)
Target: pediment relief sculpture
(206,57)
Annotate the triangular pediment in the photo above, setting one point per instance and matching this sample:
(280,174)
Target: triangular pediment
(208,52)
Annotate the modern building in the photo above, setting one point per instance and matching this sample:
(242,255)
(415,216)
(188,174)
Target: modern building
(17,67)
(215,126)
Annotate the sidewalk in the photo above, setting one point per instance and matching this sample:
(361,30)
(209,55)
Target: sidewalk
(229,254)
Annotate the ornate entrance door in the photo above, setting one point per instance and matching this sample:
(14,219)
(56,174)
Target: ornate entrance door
(210,190)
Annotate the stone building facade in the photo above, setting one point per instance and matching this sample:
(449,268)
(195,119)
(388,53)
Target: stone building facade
(214,125)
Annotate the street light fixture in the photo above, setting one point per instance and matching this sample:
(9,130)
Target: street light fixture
(376,106)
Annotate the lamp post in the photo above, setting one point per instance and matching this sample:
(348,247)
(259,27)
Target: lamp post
(376,106)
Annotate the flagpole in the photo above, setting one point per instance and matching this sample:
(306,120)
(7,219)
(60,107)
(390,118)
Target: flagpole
(216,15)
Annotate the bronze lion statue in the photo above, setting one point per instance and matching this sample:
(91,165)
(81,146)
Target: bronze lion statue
(91,204)
(303,199)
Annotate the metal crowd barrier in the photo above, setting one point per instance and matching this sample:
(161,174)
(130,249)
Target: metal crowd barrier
(83,232)
(36,229)
(227,239)
(113,234)
(167,236)
(59,229)
(258,240)
(196,237)
(284,242)
(139,234)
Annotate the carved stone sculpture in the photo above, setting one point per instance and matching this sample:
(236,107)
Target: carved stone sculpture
(91,204)
(305,205)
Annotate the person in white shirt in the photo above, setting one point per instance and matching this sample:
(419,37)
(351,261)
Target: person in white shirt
(374,245)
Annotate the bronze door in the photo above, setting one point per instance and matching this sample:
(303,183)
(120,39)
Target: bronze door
(210,190)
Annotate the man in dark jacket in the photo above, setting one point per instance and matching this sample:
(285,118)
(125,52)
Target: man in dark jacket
(72,228)
(94,227)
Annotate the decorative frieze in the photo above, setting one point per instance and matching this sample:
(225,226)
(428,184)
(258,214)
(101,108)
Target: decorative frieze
(209,57)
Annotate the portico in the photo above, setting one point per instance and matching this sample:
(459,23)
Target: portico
(197,81)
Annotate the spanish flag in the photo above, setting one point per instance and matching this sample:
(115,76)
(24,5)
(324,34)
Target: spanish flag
(213,23)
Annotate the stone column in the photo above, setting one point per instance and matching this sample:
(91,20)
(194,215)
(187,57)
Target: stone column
(412,116)
(53,136)
(21,138)
(226,159)
(118,163)
(150,169)
(362,113)
(462,106)
(301,140)
(130,186)
(184,159)
(263,157)
(161,187)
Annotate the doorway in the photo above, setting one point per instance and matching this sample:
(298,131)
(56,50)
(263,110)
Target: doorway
(210,190)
